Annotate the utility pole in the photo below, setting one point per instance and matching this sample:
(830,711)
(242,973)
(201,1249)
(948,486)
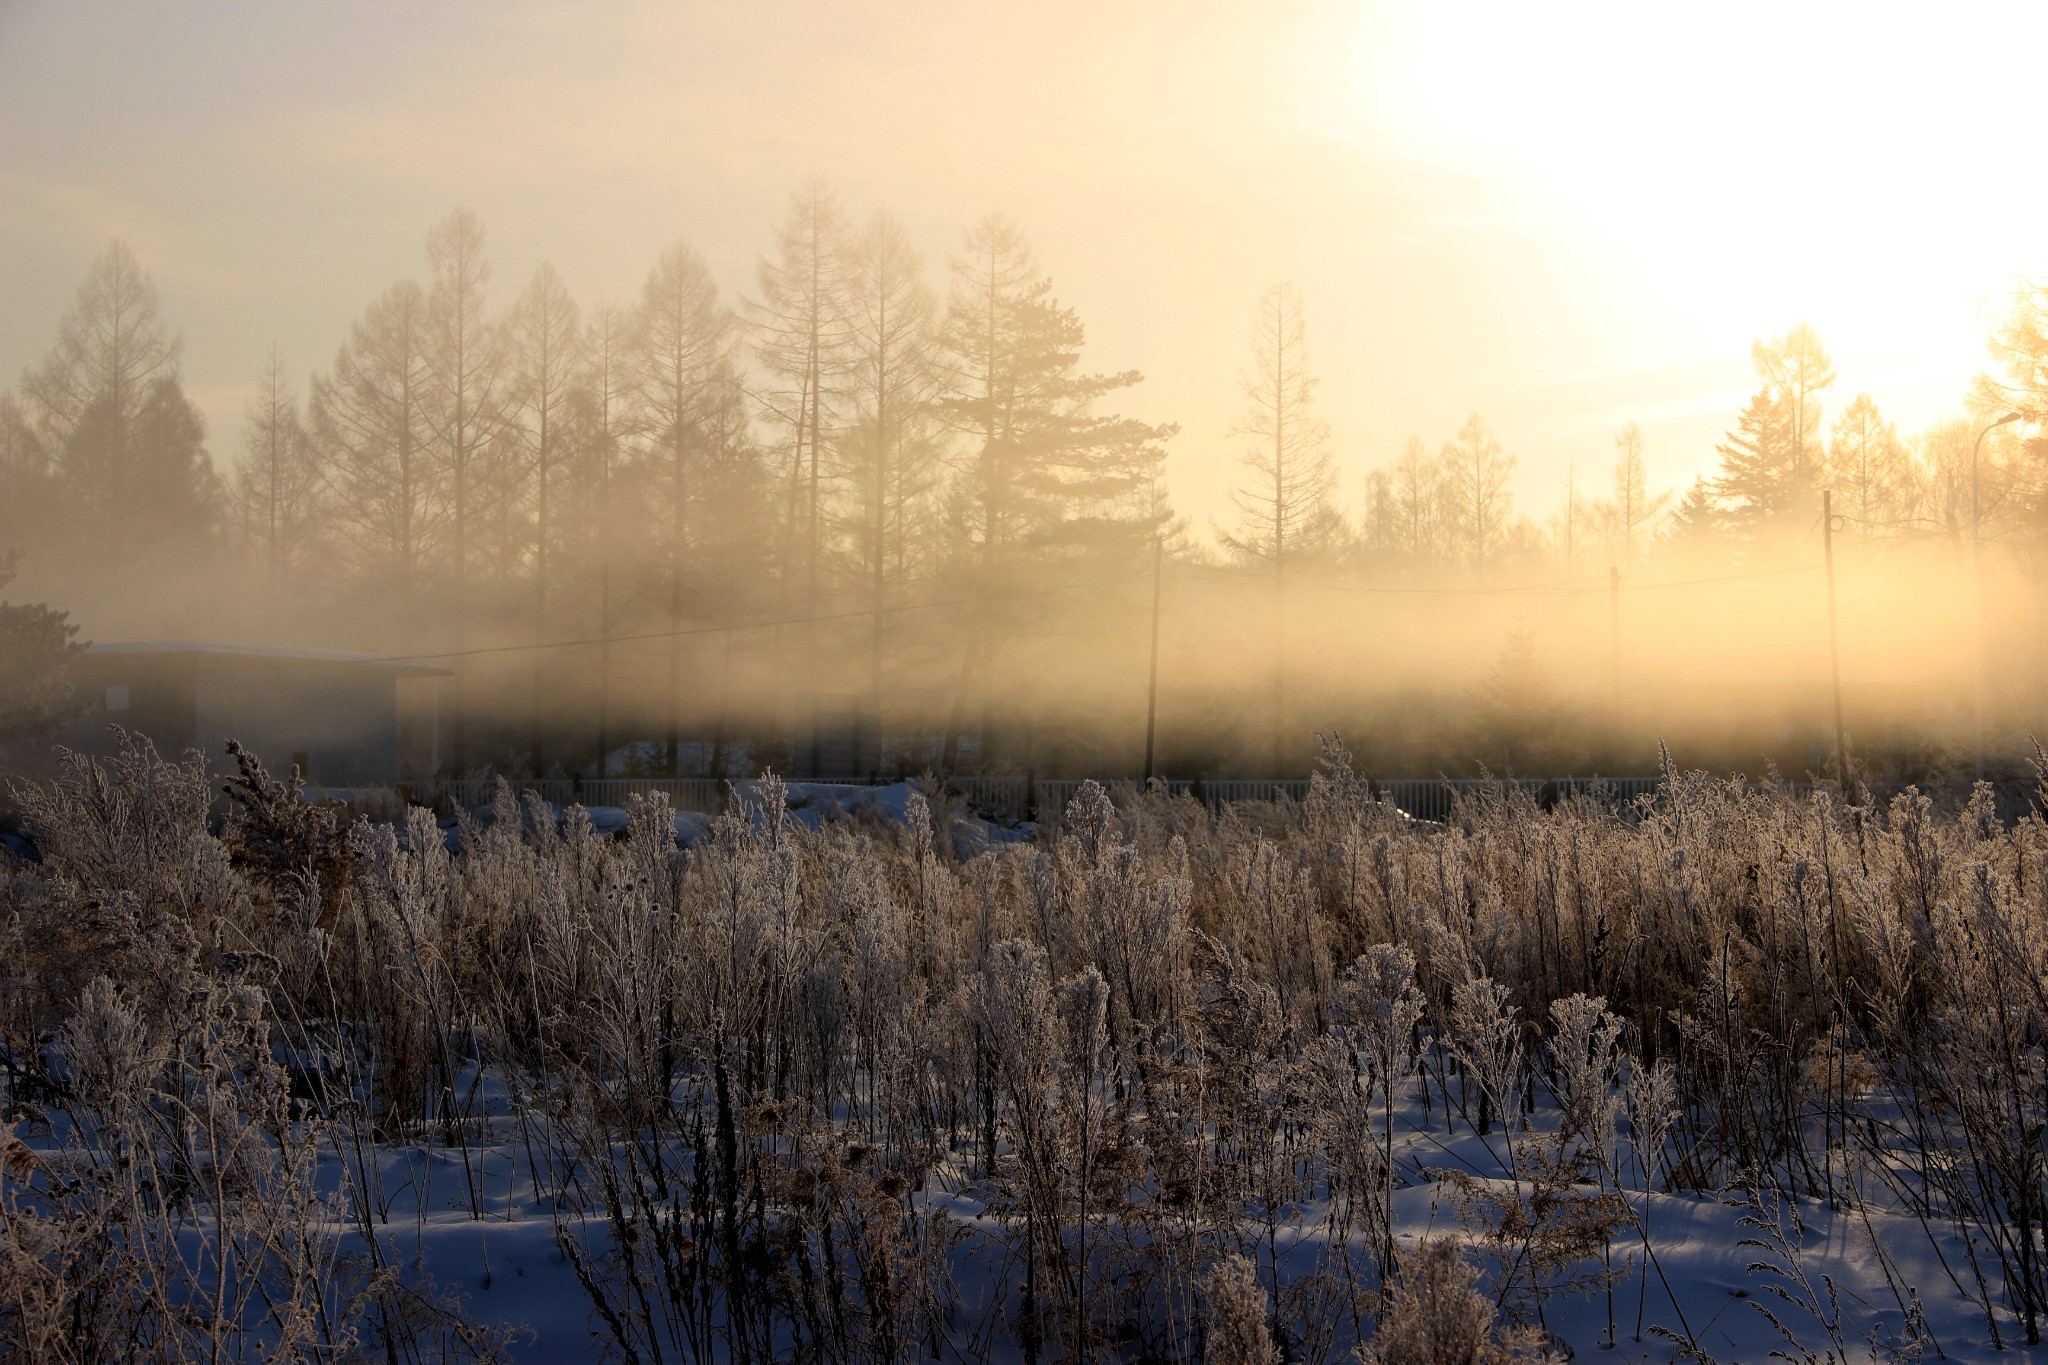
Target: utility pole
(1827,540)
(1614,627)
(1152,676)
(1977,579)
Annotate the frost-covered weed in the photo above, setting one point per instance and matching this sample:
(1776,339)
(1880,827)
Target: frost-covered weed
(1138,1088)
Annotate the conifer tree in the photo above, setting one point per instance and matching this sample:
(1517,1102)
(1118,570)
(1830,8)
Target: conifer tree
(275,490)
(467,414)
(1869,470)
(1285,516)
(541,350)
(800,339)
(889,451)
(1045,477)
(684,374)
(1634,511)
(1477,474)
(385,475)
(126,448)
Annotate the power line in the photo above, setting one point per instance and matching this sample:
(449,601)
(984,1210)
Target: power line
(863,613)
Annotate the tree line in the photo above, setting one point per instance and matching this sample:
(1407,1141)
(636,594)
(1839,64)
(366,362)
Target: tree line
(878,477)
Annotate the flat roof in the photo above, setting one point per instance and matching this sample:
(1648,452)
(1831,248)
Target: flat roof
(269,654)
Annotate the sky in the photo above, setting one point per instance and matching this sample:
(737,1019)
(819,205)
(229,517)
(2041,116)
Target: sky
(1567,216)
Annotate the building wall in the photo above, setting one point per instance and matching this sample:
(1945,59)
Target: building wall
(344,720)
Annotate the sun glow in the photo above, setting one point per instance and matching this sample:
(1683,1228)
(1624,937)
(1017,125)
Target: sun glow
(1780,161)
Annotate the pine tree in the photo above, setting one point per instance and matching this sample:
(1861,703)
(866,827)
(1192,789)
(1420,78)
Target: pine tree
(1764,486)
(36,649)
(1045,476)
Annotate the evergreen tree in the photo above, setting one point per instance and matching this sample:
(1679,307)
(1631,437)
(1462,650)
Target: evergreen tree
(1697,528)
(1047,480)
(1764,486)
(127,450)
(36,649)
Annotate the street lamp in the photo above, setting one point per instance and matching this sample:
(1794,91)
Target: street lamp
(1977,575)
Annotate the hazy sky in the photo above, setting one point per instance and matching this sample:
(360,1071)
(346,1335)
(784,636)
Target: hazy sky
(1567,216)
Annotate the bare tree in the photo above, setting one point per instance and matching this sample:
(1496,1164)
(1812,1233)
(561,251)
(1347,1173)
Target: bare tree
(684,346)
(1798,367)
(1284,509)
(800,338)
(467,415)
(276,488)
(889,451)
(1635,511)
(1869,469)
(1477,478)
(543,349)
(378,460)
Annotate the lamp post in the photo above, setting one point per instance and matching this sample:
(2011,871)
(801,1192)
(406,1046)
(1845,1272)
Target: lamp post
(1977,575)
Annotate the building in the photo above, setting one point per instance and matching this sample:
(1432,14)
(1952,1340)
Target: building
(346,720)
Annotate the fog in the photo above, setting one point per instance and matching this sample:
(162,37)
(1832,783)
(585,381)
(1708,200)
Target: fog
(661,374)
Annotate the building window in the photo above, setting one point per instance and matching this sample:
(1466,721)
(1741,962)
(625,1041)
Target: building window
(117,698)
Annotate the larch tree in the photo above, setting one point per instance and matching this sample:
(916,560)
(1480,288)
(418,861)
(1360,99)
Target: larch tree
(1797,367)
(1284,511)
(888,453)
(1869,469)
(1418,496)
(275,490)
(683,364)
(467,412)
(601,404)
(1284,514)
(1476,476)
(542,350)
(800,333)
(378,459)
(1635,510)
